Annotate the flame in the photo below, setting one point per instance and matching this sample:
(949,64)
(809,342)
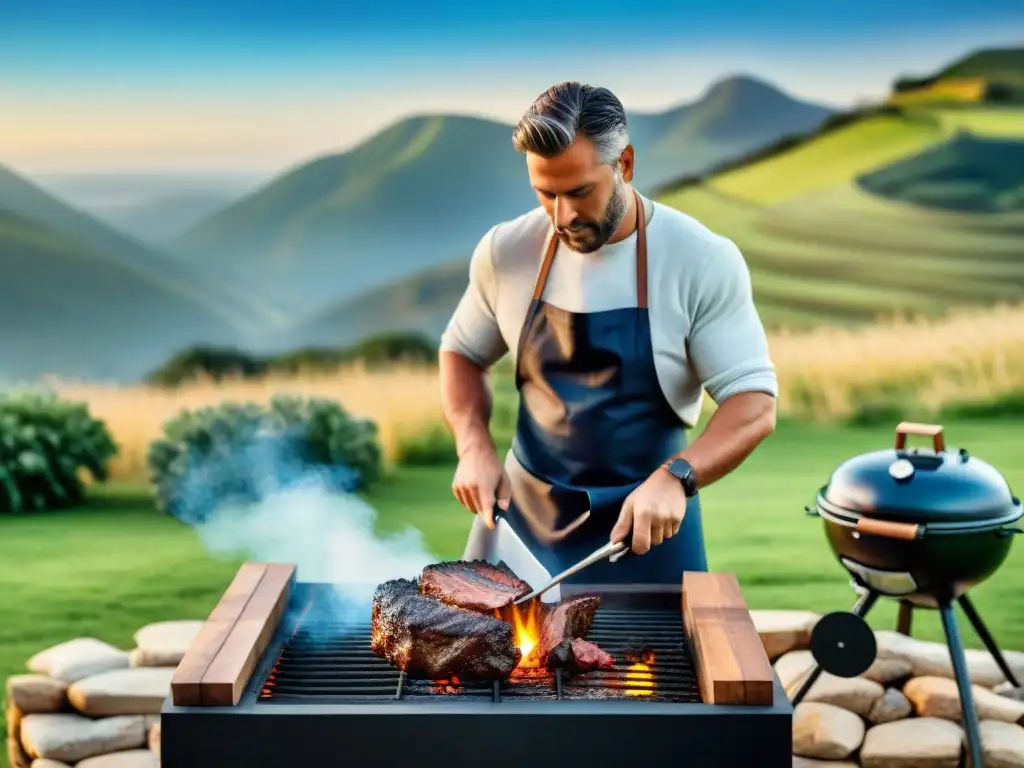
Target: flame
(639,675)
(525,621)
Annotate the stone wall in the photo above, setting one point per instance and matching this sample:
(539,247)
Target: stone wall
(88,704)
(904,711)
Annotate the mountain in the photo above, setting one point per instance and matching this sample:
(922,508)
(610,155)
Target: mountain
(428,187)
(422,302)
(26,200)
(160,220)
(74,311)
(151,207)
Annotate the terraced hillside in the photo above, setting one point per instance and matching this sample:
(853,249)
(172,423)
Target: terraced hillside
(822,248)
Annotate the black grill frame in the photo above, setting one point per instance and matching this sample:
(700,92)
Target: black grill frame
(453,731)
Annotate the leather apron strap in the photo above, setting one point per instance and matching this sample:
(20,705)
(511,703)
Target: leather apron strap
(641,257)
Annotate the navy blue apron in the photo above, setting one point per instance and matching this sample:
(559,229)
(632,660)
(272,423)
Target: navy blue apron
(593,424)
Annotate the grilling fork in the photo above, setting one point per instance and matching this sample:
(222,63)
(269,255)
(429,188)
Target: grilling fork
(612,551)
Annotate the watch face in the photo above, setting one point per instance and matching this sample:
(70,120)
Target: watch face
(679,468)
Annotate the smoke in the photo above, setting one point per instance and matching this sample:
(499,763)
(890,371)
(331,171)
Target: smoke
(260,499)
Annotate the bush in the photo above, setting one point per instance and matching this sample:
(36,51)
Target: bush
(241,452)
(45,443)
(219,363)
(432,447)
(216,363)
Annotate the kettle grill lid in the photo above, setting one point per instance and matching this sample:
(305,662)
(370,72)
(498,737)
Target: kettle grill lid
(921,485)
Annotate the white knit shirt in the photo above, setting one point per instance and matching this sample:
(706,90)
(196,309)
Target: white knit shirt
(706,333)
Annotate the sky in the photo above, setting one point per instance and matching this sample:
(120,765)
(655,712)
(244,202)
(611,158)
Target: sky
(251,86)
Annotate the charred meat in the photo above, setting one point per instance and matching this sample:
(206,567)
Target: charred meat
(579,655)
(567,620)
(426,638)
(474,585)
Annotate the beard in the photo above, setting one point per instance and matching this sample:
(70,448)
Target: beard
(585,236)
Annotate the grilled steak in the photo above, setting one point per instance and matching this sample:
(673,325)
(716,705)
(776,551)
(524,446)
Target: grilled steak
(427,639)
(579,655)
(474,585)
(569,619)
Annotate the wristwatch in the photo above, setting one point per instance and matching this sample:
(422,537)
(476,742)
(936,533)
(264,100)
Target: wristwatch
(683,472)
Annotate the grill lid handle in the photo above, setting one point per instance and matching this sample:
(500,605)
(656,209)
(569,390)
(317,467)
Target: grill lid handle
(934,431)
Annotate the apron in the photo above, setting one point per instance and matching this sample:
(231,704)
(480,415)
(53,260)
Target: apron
(593,424)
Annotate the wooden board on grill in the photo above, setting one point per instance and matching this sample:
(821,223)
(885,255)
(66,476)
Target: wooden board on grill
(731,664)
(220,661)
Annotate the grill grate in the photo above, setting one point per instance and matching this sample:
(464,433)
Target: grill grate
(338,667)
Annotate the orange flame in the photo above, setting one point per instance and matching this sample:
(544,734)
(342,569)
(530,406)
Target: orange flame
(525,621)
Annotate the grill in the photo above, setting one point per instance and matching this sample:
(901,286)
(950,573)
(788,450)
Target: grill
(333,664)
(317,696)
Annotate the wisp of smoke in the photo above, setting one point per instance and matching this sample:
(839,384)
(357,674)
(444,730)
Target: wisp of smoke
(259,499)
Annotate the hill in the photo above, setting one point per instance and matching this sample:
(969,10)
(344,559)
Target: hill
(26,200)
(1000,65)
(421,302)
(990,75)
(428,187)
(966,173)
(77,312)
(821,247)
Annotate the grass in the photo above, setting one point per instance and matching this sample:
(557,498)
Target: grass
(109,568)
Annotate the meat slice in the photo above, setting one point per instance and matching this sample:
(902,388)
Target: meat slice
(589,656)
(579,655)
(569,619)
(474,585)
(430,640)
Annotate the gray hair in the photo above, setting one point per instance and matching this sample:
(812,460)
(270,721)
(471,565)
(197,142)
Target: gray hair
(567,110)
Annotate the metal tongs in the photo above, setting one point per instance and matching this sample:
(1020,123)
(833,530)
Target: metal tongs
(612,551)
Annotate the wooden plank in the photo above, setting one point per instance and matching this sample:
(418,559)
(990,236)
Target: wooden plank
(185,683)
(229,672)
(730,660)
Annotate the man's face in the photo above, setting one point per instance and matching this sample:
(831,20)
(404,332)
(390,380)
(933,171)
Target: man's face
(585,199)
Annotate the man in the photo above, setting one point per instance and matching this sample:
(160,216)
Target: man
(619,312)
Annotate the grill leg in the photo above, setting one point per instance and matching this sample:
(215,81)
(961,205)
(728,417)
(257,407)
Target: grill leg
(963,682)
(986,637)
(861,608)
(906,616)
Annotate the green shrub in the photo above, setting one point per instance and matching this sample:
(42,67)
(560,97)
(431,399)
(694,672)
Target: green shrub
(219,363)
(45,443)
(431,447)
(240,452)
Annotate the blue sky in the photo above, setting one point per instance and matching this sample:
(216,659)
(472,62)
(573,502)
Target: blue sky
(254,84)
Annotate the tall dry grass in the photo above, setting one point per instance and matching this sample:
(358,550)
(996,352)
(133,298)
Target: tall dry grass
(827,373)
(401,400)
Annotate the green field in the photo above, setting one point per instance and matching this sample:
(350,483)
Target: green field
(116,565)
(822,249)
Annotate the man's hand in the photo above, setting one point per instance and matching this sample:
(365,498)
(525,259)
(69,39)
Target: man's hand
(480,481)
(654,511)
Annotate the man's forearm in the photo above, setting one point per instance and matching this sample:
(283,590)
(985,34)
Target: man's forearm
(735,429)
(466,401)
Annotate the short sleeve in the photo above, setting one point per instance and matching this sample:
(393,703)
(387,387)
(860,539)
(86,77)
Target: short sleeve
(473,330)
(727,346)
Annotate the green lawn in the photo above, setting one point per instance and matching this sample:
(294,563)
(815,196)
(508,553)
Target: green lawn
(111,567)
